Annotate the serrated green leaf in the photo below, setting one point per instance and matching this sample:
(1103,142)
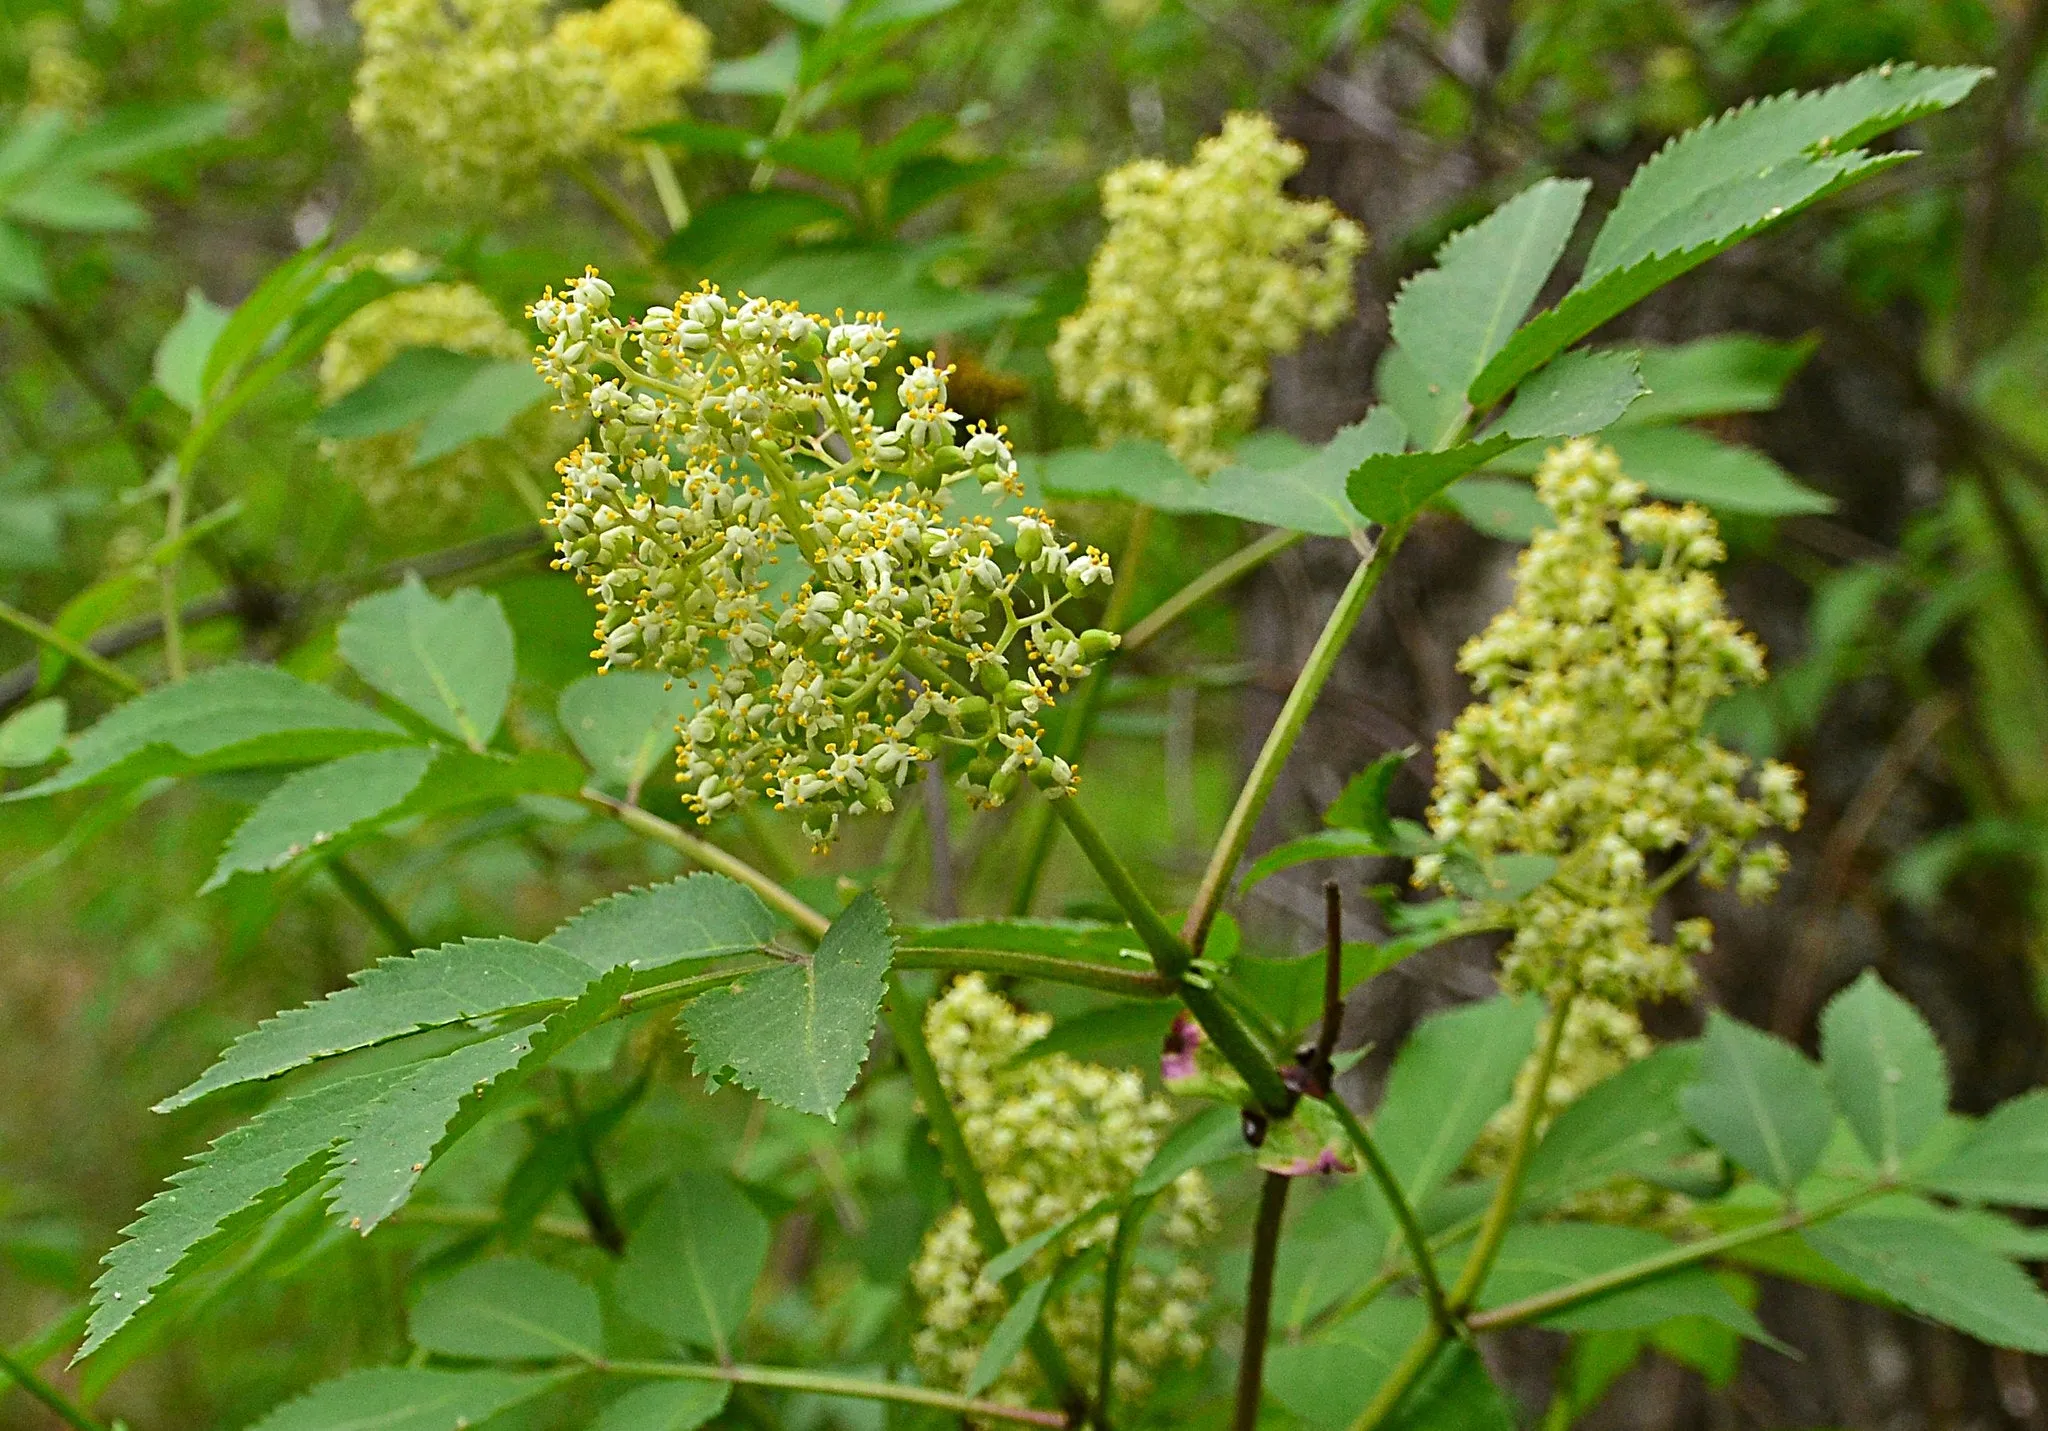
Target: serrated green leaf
(243,1176)
(180,362)
(508,1309)
(396,997)
(414,385)
(1734,372)
(1304,849)
(484,406)
(698,916)
(1008,1337)
(1681,464)
(2004,1159)
(1455,1071)
(798,1034)
(313,806)
(388,1144)
(33,734)
(1928,1268)
(1452,318)
(393,1398)
(227,718)
(1720,183)
(690,1268)
(1498,507)
(665,1406)
(1392,487)
(1885,1069)
(1630,1123)
(624,722)
(1362,804)
(23,273)
(449,660)
(1307,495)
(1541,1257)
(1761,1102)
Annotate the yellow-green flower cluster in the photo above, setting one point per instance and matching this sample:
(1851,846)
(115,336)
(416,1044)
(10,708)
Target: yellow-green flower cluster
(59,78)
(743,519)
(455,316)
(648,51)
(1207,271)
(1587,745)
(1051,1138)
(474,99)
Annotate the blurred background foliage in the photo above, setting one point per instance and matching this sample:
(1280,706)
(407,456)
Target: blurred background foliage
(940,161)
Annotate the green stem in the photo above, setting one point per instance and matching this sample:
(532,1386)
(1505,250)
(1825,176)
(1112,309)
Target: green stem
(1232,569)
(594,1197)
(59,1405)
(826,1384)
(363,895)
(167,577)
(1127,1225)
(1131,983)
(668,189)
(1563,1299)
(1407,1371)
(609,200)
(704,853)
(1254,1062)
(1500,1212)
(1404,1211)
(1265,771)
(908,1031)
(77,651)
(1258,1300)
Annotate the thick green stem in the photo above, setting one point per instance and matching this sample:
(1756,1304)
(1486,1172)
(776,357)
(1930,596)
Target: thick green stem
(1404,1211)
(1500,1212)
(908,1031)
(711,857)
(825,1384)
(1258,1300)
(59,1405)
(1234,1039)
(1131,983)
(1407,1371)
(1265,771)
(363,895)
(77,651)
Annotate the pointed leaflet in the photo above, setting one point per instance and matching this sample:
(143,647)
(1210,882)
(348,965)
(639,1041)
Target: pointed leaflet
(690,1270)
(393,998)
(389,1144)
(797,1035)
(1630,1123)
(484,406)
(1307,495)
(1454,317)
(1581,392)
(624,722)
(1930,1269)
(508,1309)
(231,717)
(415,383)
(313,806)
(245,1175)
(1720,183)
(1761,1102)
(1734,372)
(393,1398)
(1689,466)
(1008,1338)
(1456,1069)
(180,360)
(1885,1068)
(449,660)
(2004,1160)
(665,1406)
(698,916)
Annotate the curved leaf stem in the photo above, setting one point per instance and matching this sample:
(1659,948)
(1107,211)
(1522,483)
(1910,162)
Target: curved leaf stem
(1404,1212)
(1407,1371)
(711,857)
(58,1404)
(907,1028)
(1232,569)
(614,204)
(1265,771)
(1132,983)
(1127,1225)
(826,1384)
(363,895)
(85,656)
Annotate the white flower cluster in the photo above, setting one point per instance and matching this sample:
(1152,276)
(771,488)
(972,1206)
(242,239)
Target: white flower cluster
(1051,1138)
(1207,271)
(737,443)
(475,98)
(455,316)
(1587,745)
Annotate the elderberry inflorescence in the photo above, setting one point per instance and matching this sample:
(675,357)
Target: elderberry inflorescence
(743,519)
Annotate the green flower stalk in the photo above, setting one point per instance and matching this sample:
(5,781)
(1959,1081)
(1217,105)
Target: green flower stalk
(1208,270)
(744,520)
(1053,1137)
(1589,743)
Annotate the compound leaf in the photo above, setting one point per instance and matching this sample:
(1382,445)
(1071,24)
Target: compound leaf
(1885,1069)
(449,660)
(508,1309)
(1630,1123)
(1934,1270)
(798,1034)
(665,1406)
(393,1398)
(311,807)
(690,1269)
(1455,1071)
(1760,1101)
(396,997)
(698,916)
(2004,1159)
